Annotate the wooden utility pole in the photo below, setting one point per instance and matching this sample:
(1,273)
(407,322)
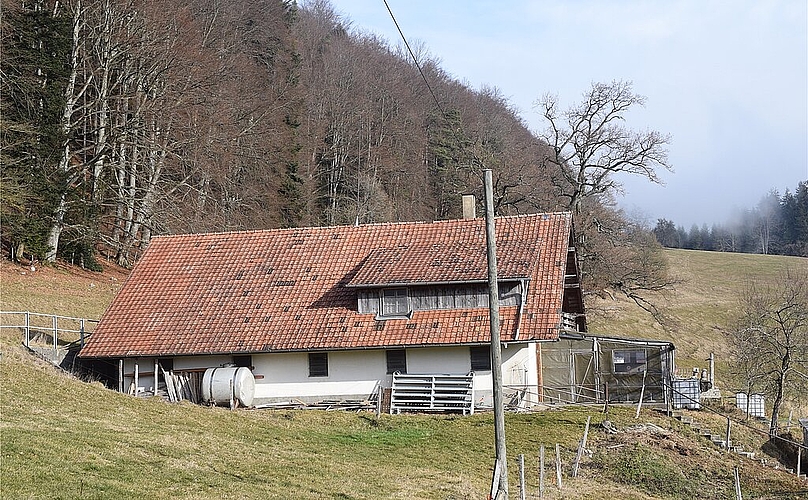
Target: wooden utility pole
(496,353)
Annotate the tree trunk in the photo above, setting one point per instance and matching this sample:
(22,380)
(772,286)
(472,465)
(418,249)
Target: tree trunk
(56,230)
(71,99)
(778,397)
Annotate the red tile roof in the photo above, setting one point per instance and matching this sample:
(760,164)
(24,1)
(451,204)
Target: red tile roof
(294,289)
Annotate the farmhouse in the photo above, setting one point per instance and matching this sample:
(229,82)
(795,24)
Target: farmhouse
(348,312)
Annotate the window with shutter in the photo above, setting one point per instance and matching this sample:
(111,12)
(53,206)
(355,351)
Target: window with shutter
(397,361)
(480,358)
(318,364)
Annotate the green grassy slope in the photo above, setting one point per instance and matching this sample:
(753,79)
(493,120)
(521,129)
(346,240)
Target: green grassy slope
(63,438)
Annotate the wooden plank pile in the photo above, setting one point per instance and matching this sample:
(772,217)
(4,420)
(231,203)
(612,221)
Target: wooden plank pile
(183,386)
(326,404)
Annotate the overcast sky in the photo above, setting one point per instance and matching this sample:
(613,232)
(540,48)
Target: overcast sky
(728,80)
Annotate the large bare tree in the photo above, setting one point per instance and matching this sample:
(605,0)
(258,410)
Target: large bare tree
(590,149)
(770,339)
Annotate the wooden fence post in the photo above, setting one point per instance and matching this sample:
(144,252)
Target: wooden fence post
(495,481)
(541,471)
(522,488)
(737,484)
(726,445)
(558,466)
(581,446)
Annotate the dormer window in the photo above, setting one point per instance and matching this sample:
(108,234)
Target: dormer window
(395,302)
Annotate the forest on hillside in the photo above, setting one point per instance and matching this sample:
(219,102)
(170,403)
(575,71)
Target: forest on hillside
(124,119)
(778,225)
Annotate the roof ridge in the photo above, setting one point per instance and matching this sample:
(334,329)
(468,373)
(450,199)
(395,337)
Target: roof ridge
(345,226)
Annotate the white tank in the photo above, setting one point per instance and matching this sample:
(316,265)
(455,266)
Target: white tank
(221,386)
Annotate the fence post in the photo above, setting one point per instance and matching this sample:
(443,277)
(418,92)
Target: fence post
(581,446)
(727,441)
(738,484)
(55,334)
(522,489)
(27,329)
(81,332)
(541,471)
(558,466)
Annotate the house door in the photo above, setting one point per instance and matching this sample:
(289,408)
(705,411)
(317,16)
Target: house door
(583,370)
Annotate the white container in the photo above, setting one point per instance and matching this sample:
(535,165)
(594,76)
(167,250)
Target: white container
(687,393)
(756,404)
(223,386)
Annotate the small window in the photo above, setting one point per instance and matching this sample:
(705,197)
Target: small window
(480,358)
(318,364)
(395,302)
(628,362)
(243,361)
(397,361)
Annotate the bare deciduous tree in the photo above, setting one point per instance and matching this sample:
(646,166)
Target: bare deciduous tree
(590,146)
(770,339)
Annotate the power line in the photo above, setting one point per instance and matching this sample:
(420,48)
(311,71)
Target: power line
(415,60)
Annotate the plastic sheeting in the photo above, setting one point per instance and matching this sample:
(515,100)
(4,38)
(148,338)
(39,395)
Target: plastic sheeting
(586,370)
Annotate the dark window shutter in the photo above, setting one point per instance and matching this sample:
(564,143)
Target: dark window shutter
(318,364)
(480,358)
(397,361)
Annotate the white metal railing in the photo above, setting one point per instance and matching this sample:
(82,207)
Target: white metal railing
(62,329)
(429,392)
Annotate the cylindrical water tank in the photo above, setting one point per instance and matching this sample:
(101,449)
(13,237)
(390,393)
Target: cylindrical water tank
(221,386)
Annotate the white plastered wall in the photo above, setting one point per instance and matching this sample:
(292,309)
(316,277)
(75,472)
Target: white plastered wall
(356,374)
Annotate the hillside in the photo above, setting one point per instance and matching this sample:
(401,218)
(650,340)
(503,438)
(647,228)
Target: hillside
(700,307)
(272,114)
(64,438)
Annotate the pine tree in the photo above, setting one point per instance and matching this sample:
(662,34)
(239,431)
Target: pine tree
(37,42)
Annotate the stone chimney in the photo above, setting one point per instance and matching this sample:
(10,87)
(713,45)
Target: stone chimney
(469,206)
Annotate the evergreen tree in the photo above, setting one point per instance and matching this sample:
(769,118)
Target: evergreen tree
(666,235)
(37,44)
(449,162)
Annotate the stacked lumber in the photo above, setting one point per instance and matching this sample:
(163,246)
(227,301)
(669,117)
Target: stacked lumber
(183,386)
